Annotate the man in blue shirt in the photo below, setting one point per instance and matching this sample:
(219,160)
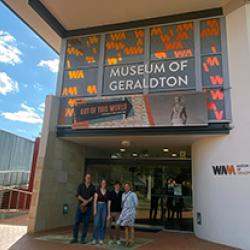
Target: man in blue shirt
(114,210)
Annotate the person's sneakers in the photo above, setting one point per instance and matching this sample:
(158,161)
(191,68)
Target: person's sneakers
(73,241)
(100,242)
(118,242)
(83,241)
(111,242)
(93,242)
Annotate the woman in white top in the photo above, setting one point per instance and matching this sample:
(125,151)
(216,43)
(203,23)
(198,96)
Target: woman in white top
(128,214)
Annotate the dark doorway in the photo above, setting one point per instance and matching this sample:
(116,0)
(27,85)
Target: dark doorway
(163,187)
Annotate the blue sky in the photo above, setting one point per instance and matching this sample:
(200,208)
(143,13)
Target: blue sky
(28,72)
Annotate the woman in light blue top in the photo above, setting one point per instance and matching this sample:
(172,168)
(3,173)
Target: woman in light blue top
(128,214)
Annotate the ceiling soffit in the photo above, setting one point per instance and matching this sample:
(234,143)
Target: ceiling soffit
(105,25)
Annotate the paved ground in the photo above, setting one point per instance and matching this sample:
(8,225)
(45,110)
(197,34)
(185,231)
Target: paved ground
(11,230)
(14,238)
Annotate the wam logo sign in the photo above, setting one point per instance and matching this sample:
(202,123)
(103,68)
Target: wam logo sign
(241,169)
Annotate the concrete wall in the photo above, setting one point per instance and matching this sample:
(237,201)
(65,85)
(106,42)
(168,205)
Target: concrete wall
(59,171)
(16,152)
(223,200)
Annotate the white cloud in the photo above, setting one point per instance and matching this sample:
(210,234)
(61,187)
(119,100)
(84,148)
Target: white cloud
(25,85)
(9,53)
(20,130)
(52,64)
(7,84)
(28,115)
(42,107)
(38,86)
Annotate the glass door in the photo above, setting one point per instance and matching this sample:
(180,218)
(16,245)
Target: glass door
(177,198)
(164,189)
(148,187)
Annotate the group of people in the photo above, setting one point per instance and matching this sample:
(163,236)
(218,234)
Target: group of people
(108,206)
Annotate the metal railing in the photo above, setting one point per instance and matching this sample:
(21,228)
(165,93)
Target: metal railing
(14,178)
(14,199)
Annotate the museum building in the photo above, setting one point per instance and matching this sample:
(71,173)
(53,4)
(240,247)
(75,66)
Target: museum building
(151,92)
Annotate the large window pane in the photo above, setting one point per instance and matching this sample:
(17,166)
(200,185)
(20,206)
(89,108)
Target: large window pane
(172,41)
(124,46)
(81,82)
(212,70)
(164,192)
(216,104)
(82,51)
(210,34)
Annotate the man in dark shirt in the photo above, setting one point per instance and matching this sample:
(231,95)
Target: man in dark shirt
(85,194)
(114,210)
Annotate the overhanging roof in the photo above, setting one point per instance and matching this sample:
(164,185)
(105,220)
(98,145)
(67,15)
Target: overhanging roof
(54,19)
(27,14)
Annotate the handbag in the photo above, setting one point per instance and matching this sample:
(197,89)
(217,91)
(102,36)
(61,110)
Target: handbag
(83,208)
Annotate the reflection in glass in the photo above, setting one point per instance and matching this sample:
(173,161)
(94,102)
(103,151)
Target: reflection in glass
(164,192)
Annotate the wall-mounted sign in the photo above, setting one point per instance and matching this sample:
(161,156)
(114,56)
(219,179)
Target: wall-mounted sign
(149,60)
(178,189)
(159,110)
(163,75)
(183,154)
(240,169)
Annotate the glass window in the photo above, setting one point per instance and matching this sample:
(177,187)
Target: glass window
(124,46)
(164,191)
(210,35)
(216,104)
(166,63)
(82,51)
(212,70)
(172,41)
(80,82)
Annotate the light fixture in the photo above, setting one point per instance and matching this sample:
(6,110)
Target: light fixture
(174,155)
(126,143)
(134,155)
(165,150)
(122,149)
(115,156)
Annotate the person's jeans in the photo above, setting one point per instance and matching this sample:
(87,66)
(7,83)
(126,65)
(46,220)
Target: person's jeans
(78,220)
(100,221)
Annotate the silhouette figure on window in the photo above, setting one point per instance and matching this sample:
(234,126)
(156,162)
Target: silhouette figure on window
(170,199)
(155,196)
(179,205)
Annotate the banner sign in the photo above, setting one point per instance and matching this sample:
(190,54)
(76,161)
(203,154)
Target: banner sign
(159,110)
(96,110)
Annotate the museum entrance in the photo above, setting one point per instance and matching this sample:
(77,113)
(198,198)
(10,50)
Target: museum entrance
(163,187)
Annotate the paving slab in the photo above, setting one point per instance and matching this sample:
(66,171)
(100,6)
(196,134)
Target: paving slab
(16,238)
